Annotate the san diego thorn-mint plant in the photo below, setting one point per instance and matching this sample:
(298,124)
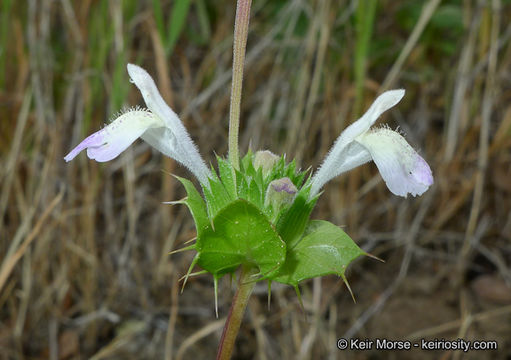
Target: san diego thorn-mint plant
(259,215)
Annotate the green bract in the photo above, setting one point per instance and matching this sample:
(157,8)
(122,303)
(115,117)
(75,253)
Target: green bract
(240,234)
(236,226)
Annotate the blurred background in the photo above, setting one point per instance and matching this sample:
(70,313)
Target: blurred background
(84,265)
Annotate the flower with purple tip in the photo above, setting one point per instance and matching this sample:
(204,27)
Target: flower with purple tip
(403,170)
(159,126)
(280,193)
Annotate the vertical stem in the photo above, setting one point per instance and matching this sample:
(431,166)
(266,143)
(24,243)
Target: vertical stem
(238,306)
(246,285)
(238,60)
(364,18)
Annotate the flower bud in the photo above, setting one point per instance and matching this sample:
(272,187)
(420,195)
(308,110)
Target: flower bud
(265,160)
(280,193)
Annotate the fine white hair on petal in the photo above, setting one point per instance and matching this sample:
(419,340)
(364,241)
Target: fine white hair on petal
(176,142)
(343,156)
(403,170)
(164,140)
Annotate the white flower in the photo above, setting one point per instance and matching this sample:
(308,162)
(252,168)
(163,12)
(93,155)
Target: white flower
(403,170)
(160,127)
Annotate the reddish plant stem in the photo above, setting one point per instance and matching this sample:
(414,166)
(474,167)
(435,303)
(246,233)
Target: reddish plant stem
(246,284)
(239,304)
(238,61)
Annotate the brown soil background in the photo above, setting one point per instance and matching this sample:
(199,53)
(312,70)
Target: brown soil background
(85,271)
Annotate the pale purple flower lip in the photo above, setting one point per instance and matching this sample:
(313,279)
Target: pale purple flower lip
(92,141)
(107,143)
(403,170)
(422,172)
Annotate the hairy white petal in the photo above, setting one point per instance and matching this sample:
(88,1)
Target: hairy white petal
(353,156)
(154,100)
(107,143)
(403,170)
(341,158)
(175,141)
(164,140)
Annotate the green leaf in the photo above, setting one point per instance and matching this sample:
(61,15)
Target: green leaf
(242,185)
(226,172)
(196,205)
(247,160)
(217,197)
(158,18)
(292,222)
(448,17)
(255,195)
(278,170)
(296,176)
(176,23)
(204,22)
(324,249)
(241,235)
